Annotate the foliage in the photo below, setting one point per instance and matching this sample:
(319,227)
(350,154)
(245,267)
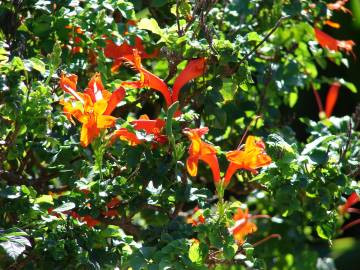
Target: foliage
(212,177)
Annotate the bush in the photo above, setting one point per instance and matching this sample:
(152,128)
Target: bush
(158,135)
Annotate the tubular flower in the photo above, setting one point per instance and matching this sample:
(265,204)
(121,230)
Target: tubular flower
(117,52)
(351,200)
(346,208)
(200,150)
(251,158)
(194,69)
(331,98)
(147,79)
(332,24)
(339,5)
(91,108)
(125,135)
(333,44)
(243,225)
(153,127)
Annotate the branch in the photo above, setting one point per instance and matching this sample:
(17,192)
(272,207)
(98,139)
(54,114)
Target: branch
(264,39)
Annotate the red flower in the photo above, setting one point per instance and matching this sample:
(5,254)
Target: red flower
(110,213)
(194,69)
(331,98)
(125,135)
(339,5)
(333,44)
(351,200)
(118,52)
(153,127)
(200,150)
(90,221)
(147,79)
(251,158)
(114,202)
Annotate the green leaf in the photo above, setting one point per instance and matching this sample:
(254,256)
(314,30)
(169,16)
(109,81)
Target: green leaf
(38,65)
(311,146)
(319,156)
(65,207)
(150,25)
(55,56)
(17,64)
(253,36)
(293,97)
(325,231)
(195,252)
(348,85)
(45,199)
(15,246)
(230,251)
(169,118)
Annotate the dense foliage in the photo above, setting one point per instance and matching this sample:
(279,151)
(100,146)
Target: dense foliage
(157,135)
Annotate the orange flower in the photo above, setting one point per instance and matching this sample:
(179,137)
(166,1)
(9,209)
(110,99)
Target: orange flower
(333,44)
(243,225)
(153,127)
(331,98)
(118,52)
(332,24)
(200,150)
(194,69)
(251,158)
(196,218)
(125,135)
(91,108)
(339,5)
(147,79)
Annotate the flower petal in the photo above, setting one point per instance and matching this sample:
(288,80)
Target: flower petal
(192,165)
(147,79)
(194,69)
(105,121)
(213,163)
(117,96)
(95,88)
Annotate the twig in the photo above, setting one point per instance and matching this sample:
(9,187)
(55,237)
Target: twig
(177,19)
(263,40)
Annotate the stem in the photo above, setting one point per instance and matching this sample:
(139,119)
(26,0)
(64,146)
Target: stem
(99,150)
(351,224)
(220,190)
(275,235)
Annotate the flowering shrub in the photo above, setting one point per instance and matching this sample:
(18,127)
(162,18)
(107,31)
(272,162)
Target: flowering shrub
(98,171)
